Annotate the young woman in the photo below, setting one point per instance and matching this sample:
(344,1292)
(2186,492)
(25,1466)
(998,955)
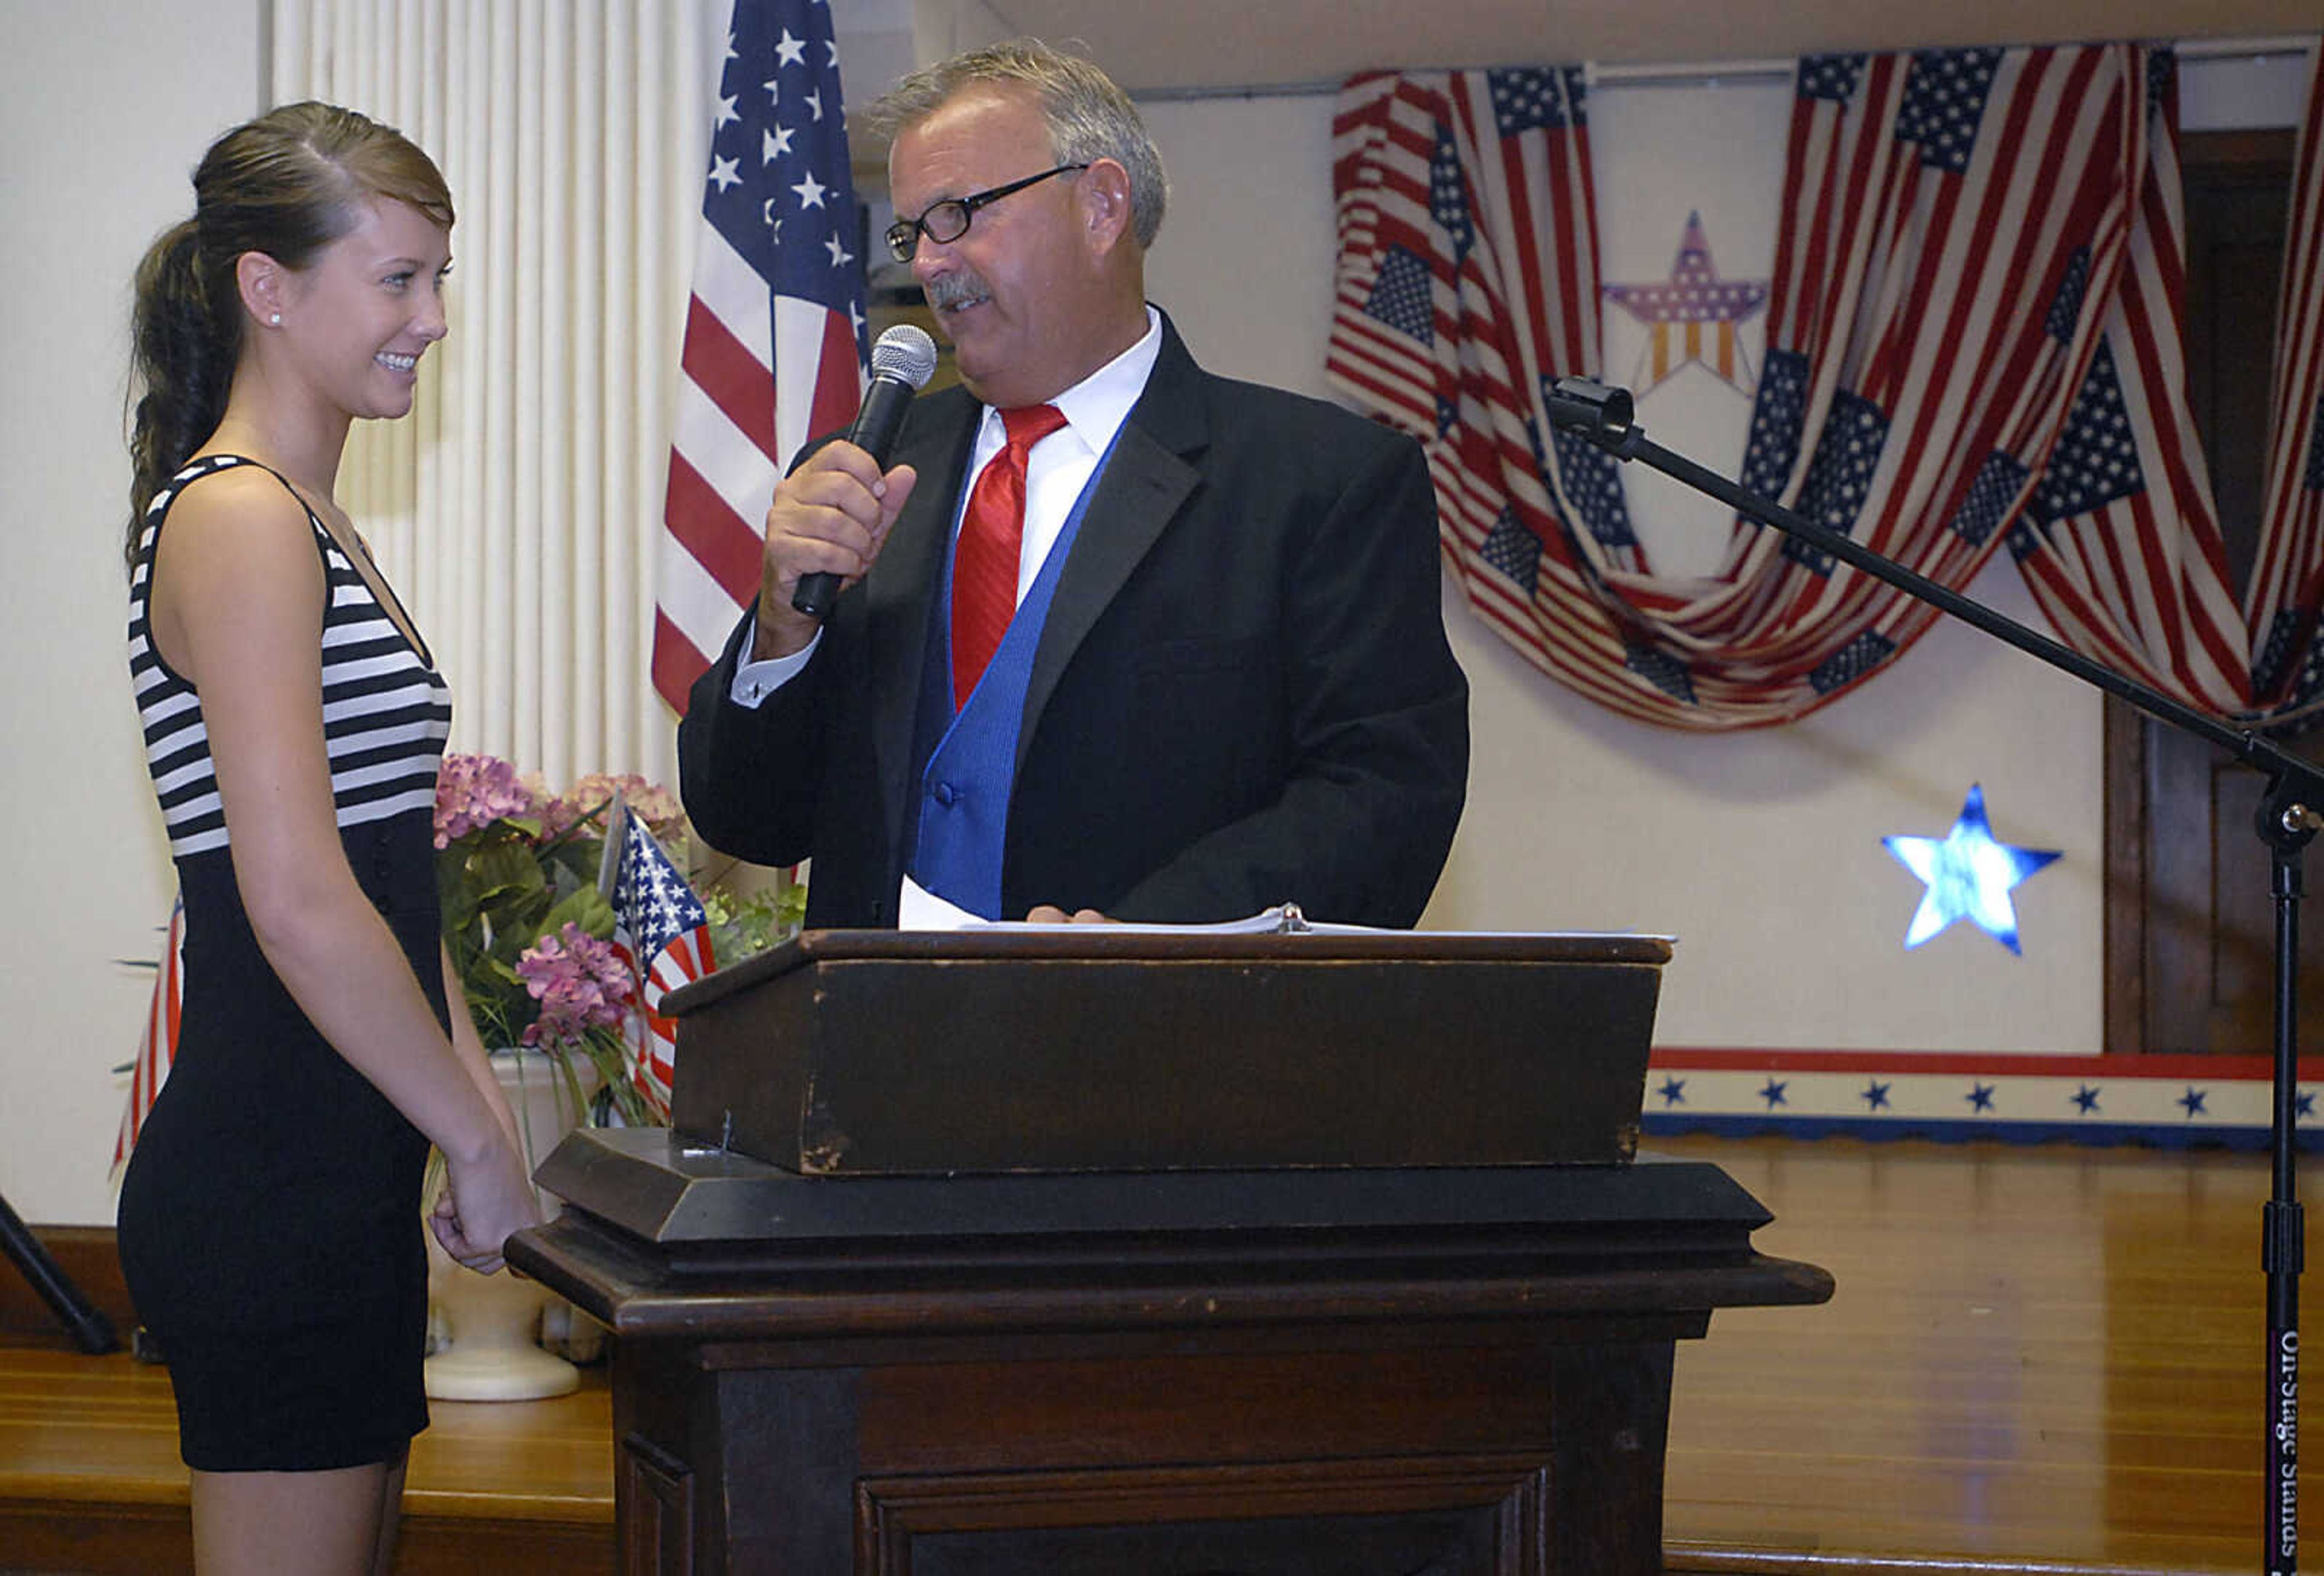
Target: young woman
(294,718)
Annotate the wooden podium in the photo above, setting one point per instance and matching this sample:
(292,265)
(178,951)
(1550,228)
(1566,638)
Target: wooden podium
(1124,1252)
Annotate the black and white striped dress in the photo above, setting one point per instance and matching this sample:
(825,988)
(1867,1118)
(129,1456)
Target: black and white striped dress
(385,710)
(270,1218)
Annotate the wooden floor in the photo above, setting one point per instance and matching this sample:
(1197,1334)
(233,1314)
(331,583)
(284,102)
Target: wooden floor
(2039,1359)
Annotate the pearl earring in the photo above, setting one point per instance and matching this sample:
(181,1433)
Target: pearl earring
(275,318)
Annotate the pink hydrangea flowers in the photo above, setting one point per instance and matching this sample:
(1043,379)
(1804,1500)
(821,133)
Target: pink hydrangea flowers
(656,805)
(476,790)
(581,984)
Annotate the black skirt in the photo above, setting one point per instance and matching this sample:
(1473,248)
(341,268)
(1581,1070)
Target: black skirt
(270,1218)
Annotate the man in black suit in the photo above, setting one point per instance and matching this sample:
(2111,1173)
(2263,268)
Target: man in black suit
(1226,684)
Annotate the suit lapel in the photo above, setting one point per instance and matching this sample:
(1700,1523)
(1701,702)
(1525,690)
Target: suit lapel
(1147,481)
(903,583)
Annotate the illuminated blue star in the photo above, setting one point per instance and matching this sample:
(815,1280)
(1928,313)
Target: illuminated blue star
(1876,1095)
(1673,1090)
(1968,875)
(2086,1099)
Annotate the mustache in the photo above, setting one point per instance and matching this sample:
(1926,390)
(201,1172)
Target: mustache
(949,292)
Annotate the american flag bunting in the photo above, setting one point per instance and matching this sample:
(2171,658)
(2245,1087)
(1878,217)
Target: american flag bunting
(2287,585)
(2119,540)
(1978,252)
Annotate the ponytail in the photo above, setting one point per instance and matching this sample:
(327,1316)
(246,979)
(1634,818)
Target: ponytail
(183,351)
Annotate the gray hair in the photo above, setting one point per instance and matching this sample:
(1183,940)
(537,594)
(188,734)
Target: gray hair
(1088,118)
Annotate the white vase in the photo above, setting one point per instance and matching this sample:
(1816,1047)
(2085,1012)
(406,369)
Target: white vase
(485,1326)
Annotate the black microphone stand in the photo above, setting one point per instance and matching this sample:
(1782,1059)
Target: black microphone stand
(2288,816)
(92,1332)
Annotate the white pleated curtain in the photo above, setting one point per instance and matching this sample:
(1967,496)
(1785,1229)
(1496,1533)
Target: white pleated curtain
(517,508)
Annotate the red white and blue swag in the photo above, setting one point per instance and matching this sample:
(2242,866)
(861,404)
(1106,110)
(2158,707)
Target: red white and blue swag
(1974,339)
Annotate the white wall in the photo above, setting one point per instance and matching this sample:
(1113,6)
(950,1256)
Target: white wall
(1761,852)
(101,136)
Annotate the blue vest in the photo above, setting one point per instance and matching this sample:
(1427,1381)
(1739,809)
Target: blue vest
(964,790)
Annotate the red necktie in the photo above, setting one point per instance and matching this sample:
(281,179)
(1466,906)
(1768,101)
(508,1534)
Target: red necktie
(991,537)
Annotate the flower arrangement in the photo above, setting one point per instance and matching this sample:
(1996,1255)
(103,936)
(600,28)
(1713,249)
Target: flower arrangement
(527,929)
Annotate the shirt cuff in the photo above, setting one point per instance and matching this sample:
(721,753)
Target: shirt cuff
(755,681)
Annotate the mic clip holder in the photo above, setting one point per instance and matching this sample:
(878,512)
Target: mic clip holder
(1604,415)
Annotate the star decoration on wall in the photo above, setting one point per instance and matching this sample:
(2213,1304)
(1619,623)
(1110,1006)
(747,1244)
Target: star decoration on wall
(1969,876)
(1693,316)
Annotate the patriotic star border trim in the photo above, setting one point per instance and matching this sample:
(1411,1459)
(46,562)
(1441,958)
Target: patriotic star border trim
(2218,1101)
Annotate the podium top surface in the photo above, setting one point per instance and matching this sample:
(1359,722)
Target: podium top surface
(1104,1048)
(1169,943)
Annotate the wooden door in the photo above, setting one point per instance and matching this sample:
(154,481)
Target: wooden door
(2189,943)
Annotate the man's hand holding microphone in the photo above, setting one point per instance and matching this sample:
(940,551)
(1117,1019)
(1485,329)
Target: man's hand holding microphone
(831,516)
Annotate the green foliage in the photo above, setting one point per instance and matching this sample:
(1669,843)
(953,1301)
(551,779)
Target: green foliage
(742,924)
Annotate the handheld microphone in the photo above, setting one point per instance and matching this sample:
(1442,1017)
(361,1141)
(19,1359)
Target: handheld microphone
(902,362)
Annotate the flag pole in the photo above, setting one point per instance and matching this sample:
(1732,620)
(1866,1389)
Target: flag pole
(2290,812)
(609,862)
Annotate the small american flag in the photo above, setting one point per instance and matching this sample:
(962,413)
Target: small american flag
(159,1046)
(774,347)
(662,932)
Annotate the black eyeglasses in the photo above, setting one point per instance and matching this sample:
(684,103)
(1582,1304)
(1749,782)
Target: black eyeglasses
(948,221)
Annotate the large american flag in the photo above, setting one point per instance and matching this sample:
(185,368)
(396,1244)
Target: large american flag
(1974,268)
(157,1048)
(662,932)
(774,344)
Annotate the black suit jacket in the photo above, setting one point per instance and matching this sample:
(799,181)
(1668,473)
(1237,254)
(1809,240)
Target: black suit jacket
(1242,695)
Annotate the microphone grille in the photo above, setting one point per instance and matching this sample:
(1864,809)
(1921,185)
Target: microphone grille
(905,353)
